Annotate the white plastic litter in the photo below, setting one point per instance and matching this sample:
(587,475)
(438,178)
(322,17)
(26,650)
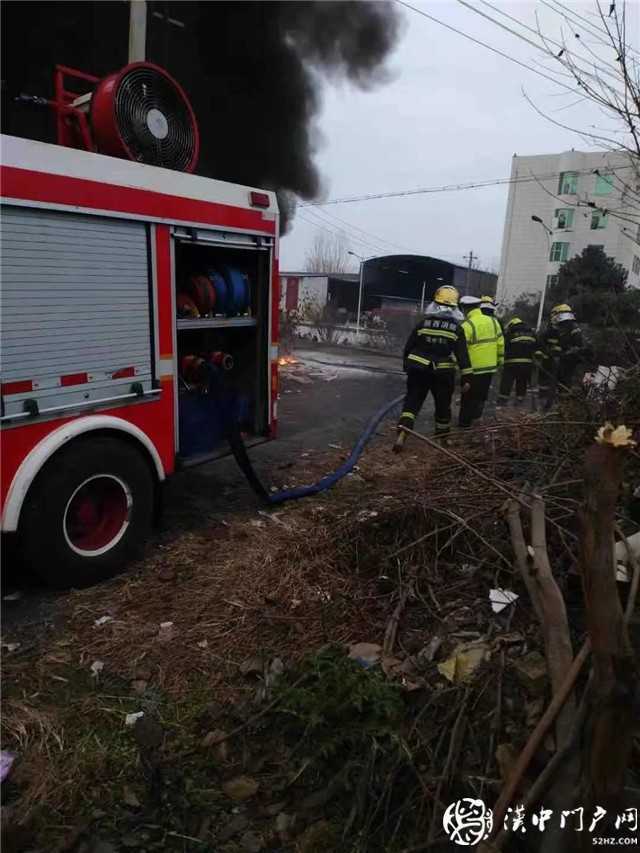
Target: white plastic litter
(103,620)
(501,598)
(165,632)
(132,719)
(96,668)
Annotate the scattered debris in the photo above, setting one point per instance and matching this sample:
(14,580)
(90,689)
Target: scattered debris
(241,788)
(429,651)
(166,632)
(11,647)
(132,719)
(464,661)
(96,668)
(103,620)
(501,598)
(366,654)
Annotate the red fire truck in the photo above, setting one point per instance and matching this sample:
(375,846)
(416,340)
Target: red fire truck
(139,318)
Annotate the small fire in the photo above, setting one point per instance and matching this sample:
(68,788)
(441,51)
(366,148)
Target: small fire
(287,359)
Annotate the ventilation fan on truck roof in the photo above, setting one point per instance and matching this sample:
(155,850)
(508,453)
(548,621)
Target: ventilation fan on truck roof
(139,113)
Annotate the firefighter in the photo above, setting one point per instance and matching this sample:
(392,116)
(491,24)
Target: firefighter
(562,346)
(485,343)
(488,306)
(434,351)
(520,347)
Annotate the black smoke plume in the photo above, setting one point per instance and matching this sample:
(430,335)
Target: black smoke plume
(265,63)
(254,72)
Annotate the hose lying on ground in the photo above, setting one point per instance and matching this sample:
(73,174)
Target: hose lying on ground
(240,454)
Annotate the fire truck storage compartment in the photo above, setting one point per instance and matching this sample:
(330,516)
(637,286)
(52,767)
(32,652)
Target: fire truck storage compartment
(222,304)
(76,324)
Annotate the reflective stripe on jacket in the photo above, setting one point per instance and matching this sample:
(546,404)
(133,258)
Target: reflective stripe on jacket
(520,344)
(438,343)
(485,341)
(563,339)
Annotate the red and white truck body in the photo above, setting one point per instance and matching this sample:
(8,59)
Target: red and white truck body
(94,250)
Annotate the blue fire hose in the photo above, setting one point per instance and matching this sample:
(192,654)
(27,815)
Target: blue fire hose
(240,453)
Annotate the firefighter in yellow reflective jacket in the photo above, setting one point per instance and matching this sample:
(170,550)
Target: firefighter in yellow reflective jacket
(434,351)
(485,343)
(520,346)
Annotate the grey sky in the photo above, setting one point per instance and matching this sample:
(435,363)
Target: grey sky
(453,112)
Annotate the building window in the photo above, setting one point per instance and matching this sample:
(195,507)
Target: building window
(598,219)
(552,280)
(604,184)
(636,265)
(568,184)
(559,252)
(564,217)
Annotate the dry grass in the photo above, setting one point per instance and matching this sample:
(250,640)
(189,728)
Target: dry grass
(281,583)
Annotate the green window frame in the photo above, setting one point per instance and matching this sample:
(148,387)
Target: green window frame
(599,219)
(568,183)
(604,185)
(564,215)
(559,252)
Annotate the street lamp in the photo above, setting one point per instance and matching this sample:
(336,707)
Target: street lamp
(362,260)
(424,287)
(547,233)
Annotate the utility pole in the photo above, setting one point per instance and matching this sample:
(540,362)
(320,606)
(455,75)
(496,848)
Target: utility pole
(137,30)
(471,257)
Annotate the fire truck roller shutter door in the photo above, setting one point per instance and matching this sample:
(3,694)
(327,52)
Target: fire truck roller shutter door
(75,301)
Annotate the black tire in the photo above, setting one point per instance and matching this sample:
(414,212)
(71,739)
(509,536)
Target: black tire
(50,543)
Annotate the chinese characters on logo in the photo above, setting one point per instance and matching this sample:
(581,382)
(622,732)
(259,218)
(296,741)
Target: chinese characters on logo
(469,821)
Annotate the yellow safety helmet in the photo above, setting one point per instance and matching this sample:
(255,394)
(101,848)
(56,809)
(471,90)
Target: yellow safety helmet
(486,299)
(561,309)
(446,295)
(513,322)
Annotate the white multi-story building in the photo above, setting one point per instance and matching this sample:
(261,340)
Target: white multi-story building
(578,199)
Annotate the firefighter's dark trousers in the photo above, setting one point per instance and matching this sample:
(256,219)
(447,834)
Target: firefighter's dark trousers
(472,405)
(518,374)
(419,383)
(556,377)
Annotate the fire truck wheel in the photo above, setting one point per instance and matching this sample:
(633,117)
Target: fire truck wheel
(88,513)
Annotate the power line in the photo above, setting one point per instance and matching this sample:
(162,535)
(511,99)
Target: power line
(363,231)
(593,30)
(454,259)
(319,223)
(377,247)
(537,46)
(495,50)
(471,185)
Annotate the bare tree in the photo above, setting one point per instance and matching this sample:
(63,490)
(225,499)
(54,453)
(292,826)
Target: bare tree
(591,56)
(328,253)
